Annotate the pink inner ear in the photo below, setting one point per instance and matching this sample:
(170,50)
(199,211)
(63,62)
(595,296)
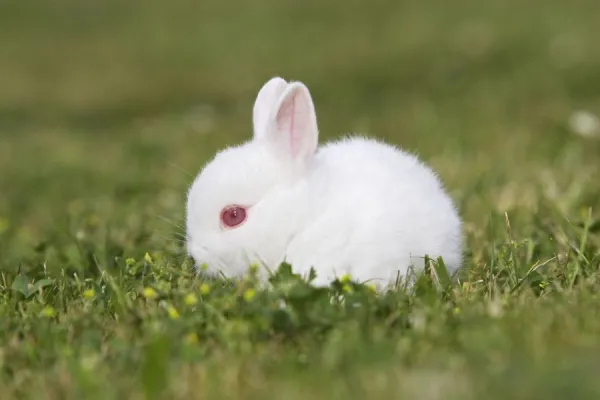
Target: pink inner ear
(289,124)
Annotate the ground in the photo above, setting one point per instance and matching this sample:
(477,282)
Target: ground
(108,109)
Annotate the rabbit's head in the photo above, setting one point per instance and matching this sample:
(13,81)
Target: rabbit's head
(247,202)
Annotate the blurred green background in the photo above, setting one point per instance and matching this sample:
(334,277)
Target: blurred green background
(109,108)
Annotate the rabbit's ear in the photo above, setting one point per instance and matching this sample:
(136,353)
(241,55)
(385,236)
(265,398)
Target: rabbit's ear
(293,127)
(265,102)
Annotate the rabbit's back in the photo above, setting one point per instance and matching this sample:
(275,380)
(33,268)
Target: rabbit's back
(376,210)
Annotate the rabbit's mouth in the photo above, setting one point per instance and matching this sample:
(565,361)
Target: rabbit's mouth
(224,262)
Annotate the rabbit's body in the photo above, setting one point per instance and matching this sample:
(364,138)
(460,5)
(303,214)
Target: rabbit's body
(374,211)
(356,206)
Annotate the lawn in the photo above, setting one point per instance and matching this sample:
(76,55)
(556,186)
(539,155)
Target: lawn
(108,110)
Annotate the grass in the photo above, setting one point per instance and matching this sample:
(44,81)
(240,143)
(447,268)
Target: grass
(107,110)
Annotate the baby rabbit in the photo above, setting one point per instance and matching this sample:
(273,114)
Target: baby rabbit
(356,206)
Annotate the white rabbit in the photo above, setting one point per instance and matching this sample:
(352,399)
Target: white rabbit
(356,206)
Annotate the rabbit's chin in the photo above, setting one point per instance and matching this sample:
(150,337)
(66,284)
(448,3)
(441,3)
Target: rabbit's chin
(230,263)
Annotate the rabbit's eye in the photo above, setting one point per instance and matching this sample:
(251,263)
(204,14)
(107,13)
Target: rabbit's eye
(232,216)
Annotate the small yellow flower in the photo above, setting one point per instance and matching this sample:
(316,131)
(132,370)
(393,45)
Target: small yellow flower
(130,261)
(89,293)
(172,311)
(370,287)
(190,299)
(149,293)
(89,362)
(204,289)
(456,310)
(191,338)
(148,259)
(346,288)
(48,312)
(249,294)
(345,278)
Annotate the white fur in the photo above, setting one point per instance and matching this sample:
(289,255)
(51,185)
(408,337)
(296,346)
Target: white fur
(355,206)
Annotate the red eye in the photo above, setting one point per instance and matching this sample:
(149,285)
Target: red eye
(232,216)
